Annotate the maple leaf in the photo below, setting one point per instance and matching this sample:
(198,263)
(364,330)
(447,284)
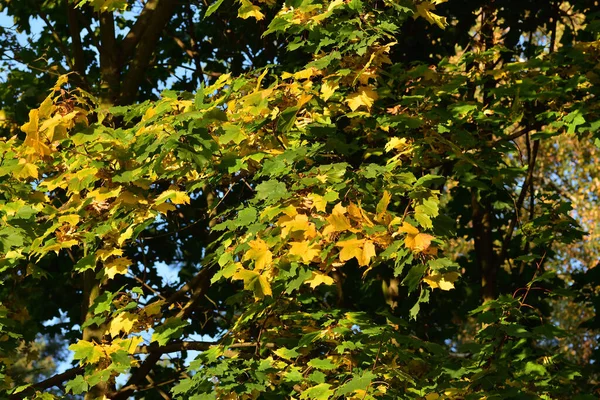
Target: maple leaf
(299,223)
(318,202)
(442,281)
(117,266)
(305,250)
(328,88)
(319,278)
(361,249)
(255,282)
(248,10)
(176,197)
(424,10)
(86,352)
(414,240)
(260,253)
(130,344)
(338,222)
(25,170)
(365,96)
(122,323)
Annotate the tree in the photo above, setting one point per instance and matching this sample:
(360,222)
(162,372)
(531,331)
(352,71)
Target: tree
(352,213)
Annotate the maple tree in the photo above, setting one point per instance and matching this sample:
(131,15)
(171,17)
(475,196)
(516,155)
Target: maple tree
(361,199)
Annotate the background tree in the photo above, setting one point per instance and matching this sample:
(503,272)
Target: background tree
(314,208)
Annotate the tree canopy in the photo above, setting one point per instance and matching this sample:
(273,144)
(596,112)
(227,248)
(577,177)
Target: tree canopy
(360,199)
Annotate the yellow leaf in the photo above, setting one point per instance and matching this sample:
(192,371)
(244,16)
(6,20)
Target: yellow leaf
(248,10)
(408,229)
(318,202)
(260,253)
(306,73)
(319,278)
(255,282)
(175,196)
(399,144)
(364,97)
(299,223)
(122,323)
(305,250)
(127,197)
(117,266)
(442,281)
(424,10)
(71,219)
(338,222)
(414,240)
(25,170)
(164,208)
(33,139)
(105,253)
(328,88)
(361,249)
(103,194)
(130,344)
(154,308)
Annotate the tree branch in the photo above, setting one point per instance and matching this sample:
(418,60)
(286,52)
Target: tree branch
(79,64)
(48,383)
(519,204)
(134,35)
(144,50)
(109,69)
(56,37)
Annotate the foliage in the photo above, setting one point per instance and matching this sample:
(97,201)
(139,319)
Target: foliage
(345,223)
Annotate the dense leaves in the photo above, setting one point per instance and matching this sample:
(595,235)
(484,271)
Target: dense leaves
(352,221)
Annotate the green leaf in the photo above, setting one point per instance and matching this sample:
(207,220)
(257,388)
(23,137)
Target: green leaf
(413,278)
(212,8)
(77,385)
(324,364)
(358,382)
(171,329)
(320,392)
(271,191)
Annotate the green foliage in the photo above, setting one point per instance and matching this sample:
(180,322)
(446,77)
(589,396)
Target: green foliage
(344,225)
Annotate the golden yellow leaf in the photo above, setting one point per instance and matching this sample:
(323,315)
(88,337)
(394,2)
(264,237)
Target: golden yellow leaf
(319,278)
(175,196)
(153,308)
(318,202)
(306,73)
(122,323)
(255,282)
(424,10)
(299,223)
(260,253)
(328,88)
(130,344)
(442,281)
(248,10)
(414,240)
(71,219)
(400,144)
(338,222)
(33,139)
(117,266)
(105,253)
(365,96)
(103,194)
(25,170)
(164,208)
(408,229)
(361,249)
(305,250)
